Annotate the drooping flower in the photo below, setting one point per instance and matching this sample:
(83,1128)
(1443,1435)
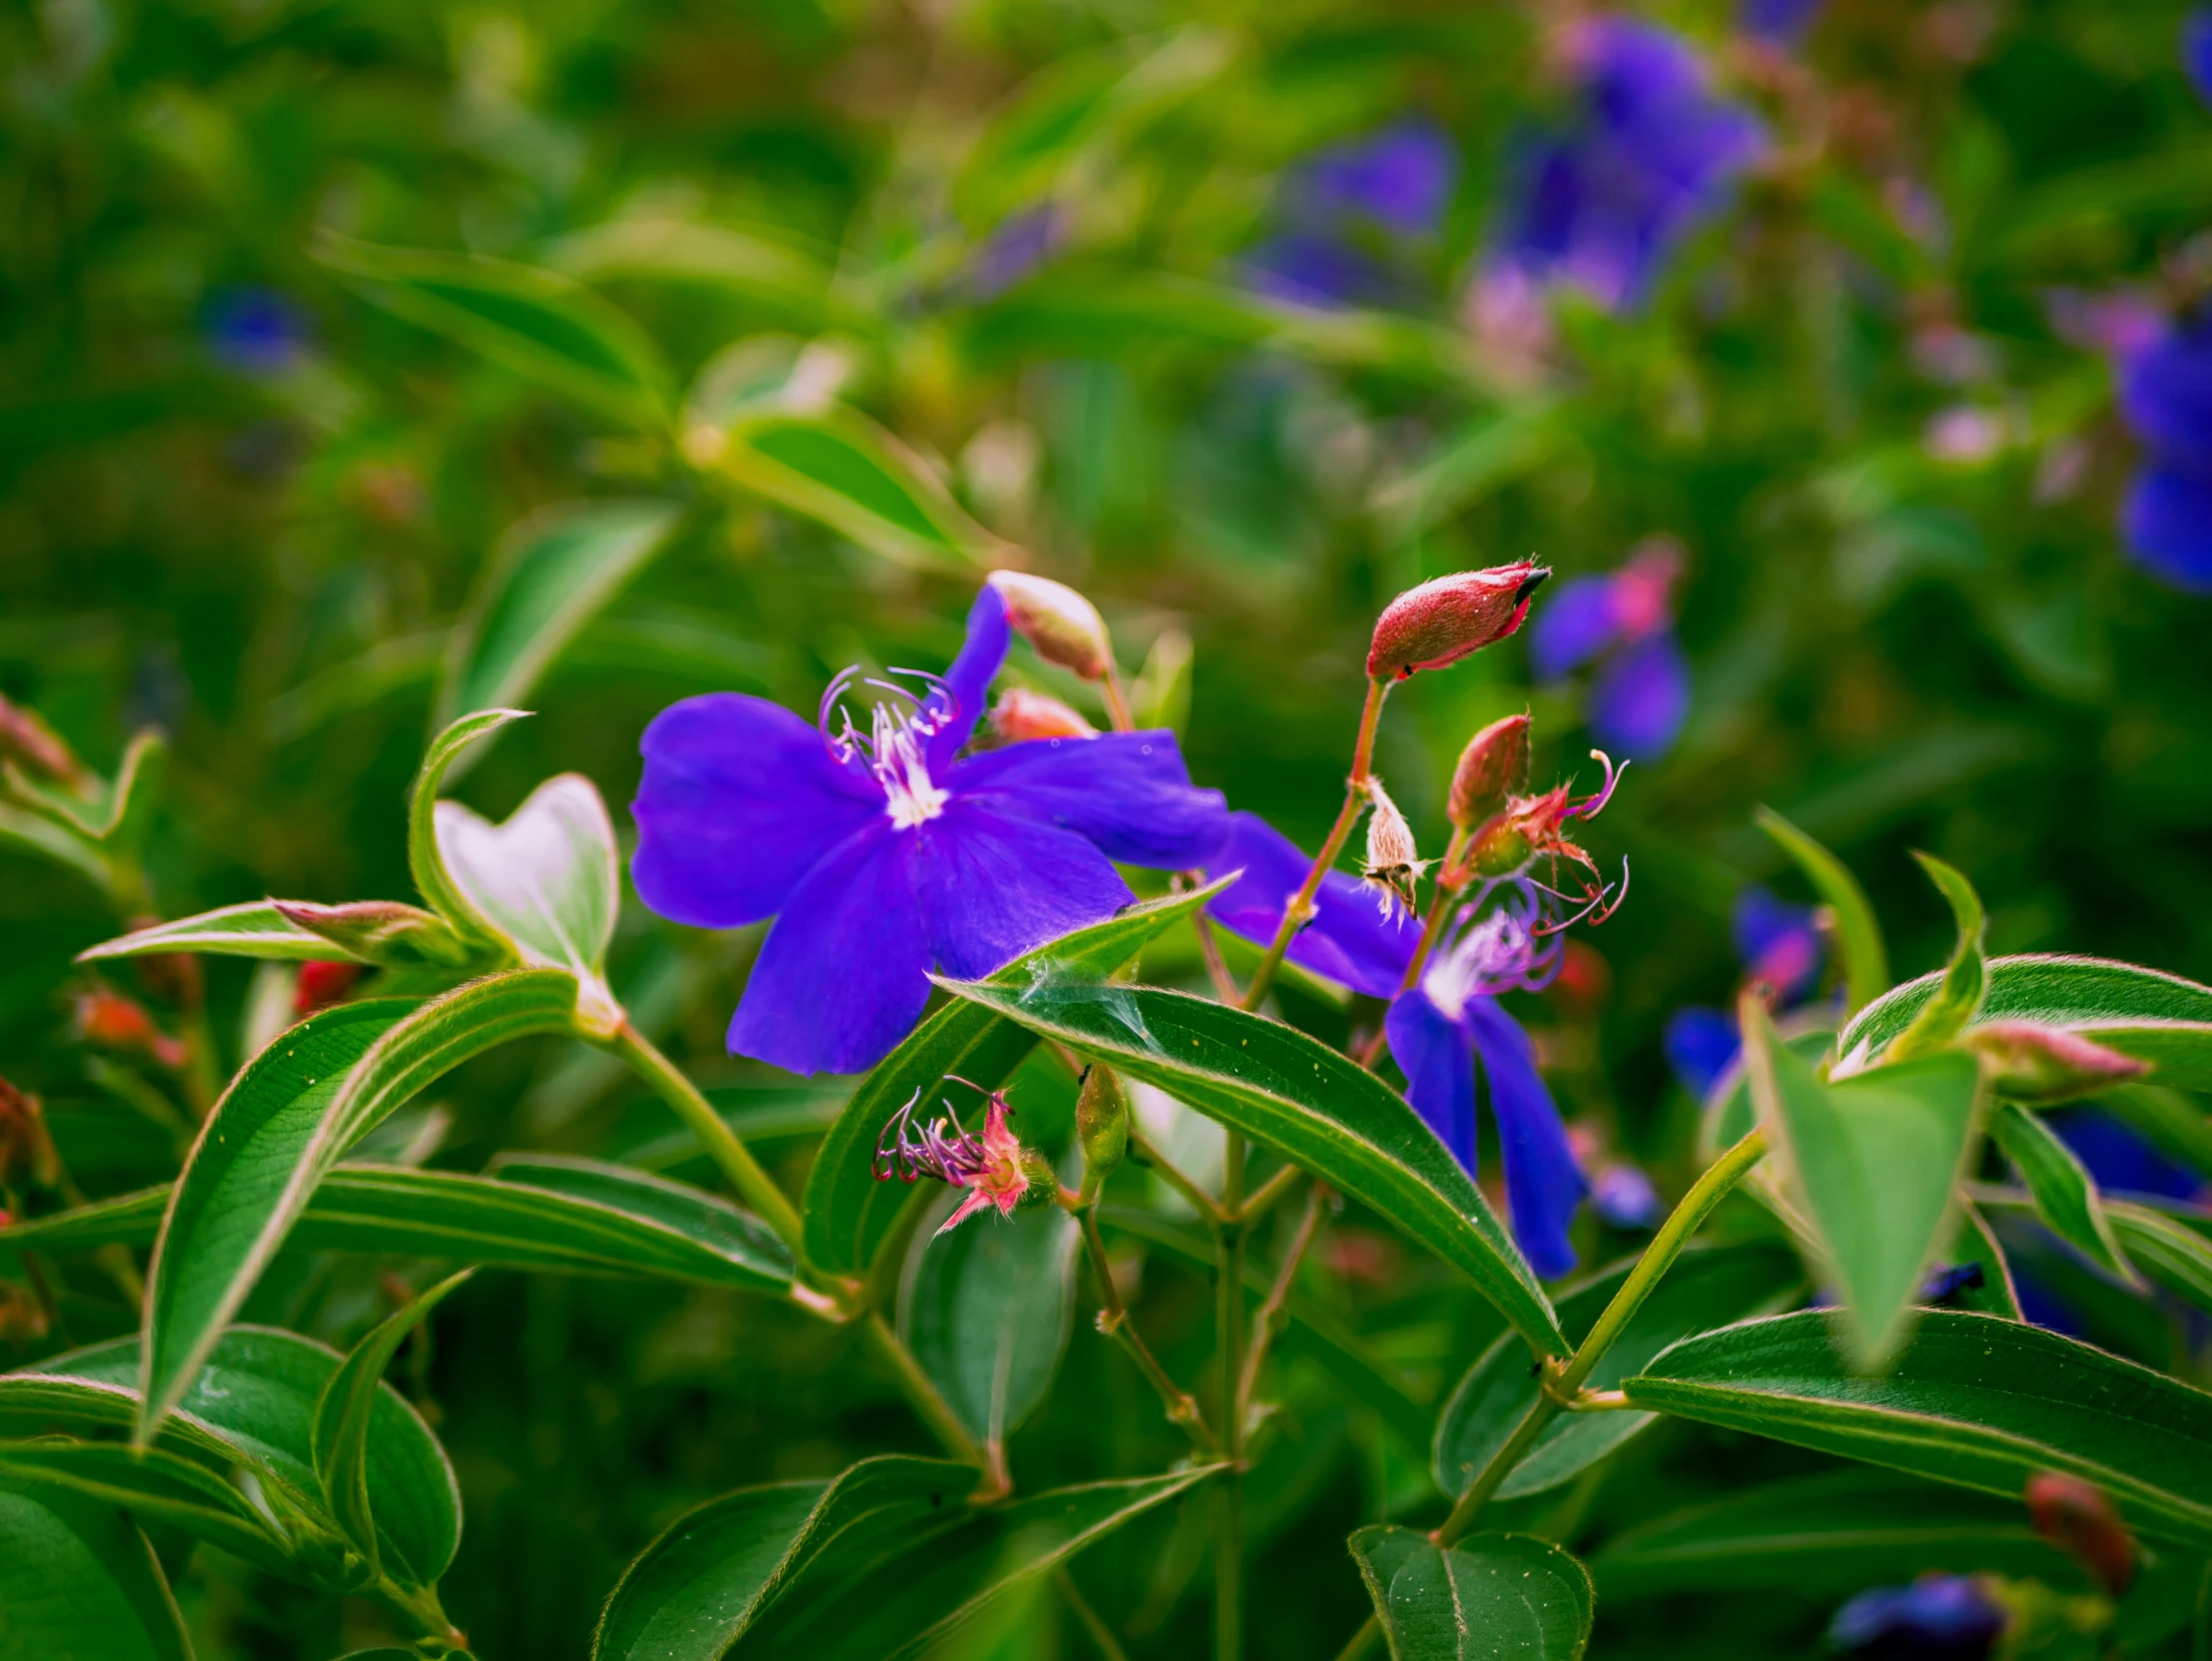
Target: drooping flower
(1782,948)
(1939,1617)
(1648,154)
(1623,1195)
(886,852)
(1623,620)
(1315,268)
(992,1165)
(2166,397)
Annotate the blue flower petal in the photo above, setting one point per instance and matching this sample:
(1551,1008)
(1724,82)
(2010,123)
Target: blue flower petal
(1128,792)
(1641,698)
(738,800)
(2165,392)
(1577,621)
(1349,941)
(843,975)
(1779,943)
(1543,1184)
(970,678)
(2167,521)
(1401,177)
(2196,50)
(992,886)
(1433,1052)
(1701,1045)
(2119,1159)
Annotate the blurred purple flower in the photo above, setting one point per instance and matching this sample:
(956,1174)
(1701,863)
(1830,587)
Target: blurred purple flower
(1440,1029)
(887,853)
(2196,50)
(1401,178)
(1941,1284)
(1015,249)
(1650,154)
(2165,395)
(1779,944)
(1315,268)
(1701,1045)
(1939,1617)
(1641,694)
(2119,1159)
(253,330)
(1623,1195)
(1781,22)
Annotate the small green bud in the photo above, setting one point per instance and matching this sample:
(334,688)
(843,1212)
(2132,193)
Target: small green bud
(1103,1127)
(1042,1182)
(381,931)
(1500,851)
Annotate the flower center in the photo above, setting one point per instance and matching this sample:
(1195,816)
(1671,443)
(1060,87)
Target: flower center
(1497,953)
(896,748)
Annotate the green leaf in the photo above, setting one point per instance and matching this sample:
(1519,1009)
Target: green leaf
(1706,1289)
(254,1404)
(1823,1536)
(848,1212)
(255,929)
(41,837)
(290,1116)
(876,1564)
(757,264)
(556,570)
(548,882)
(2168,1250)
(78,1582)
(1872,1165)
(2065,1195)
(987,1311)
(425,861)
(2154,1017)
(1858,934)
(343,1415)
(1491,1595)
(1974,1400)
(1977,1242)
(1729,1111)
(532,1212)
(1959,994)
(538,324)
(113,813)
(838,466)
(155,1486)
(1291,1093)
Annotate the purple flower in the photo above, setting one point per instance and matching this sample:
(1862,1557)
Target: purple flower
(1779,944)
(1650,154)
(1315,268)
(2196,50)
(1701,1045)
(1640,696)
(1939,1617)
(1014,250)
(1401,178)
(1942,1284)
(1781,22)
(2166,396)
(253,330)
(885,853)
(2119,1159)
(1623,1195)
(1441,1028)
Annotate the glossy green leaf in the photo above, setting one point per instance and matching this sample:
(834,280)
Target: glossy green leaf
(78,1582)
(42,838)
(531,1212)
(1871,1165)
(425,861)
(288,1117)
(987,1310)
(543,326)
(1974,1400)
(110,813)
(1826,1535)
(838,466)
(848,1212)
(1959,994)
(1858,933)
(2065,1195)
(1704,1289)
(547,881)
(875,1563)
(1977,1242)
(1491,1595)
(554,571)
(1729,1111)
(2154,1017)
(1286,1091)
(155,1486)
(255,929)
(760,264)
(2166,1248)
(254,1404)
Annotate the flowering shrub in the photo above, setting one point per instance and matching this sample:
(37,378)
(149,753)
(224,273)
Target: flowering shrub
(811,611)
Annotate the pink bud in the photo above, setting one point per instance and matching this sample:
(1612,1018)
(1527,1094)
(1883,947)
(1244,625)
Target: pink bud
(322,981)
(2030,1063)
(2076,1517)
(26,739)
(1440,623)
(1064,627)
(1021,714)
(1493,766)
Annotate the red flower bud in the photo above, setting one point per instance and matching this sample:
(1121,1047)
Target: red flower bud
(2076,1517)
(1021,714)
(321,984)
(1064,627)
(1442,621)
(1493,766)
(2039,1065)
(26,739)
(106,1018)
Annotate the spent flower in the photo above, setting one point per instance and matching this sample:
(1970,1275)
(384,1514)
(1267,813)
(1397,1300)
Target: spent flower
(1393,866)
(992,1164)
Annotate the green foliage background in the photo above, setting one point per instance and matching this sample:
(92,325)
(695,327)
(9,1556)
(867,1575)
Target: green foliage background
(1893,650)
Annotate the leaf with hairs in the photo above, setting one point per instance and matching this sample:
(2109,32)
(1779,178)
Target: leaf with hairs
(1959,994)
(255,929)
(1490,1596)
(426,860)
(78,1582)
(1858,933)
(2065,1195)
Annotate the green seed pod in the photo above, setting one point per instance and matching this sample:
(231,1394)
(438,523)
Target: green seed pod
(1500,851)
(1043,1181)
(1103,1126)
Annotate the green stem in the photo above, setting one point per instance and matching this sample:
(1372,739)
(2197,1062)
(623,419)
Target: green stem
(421,1606)
(1093,1624)
(1300,906)
(1228,1499)
(752,1183)
(1113,1321)
(915,1385)
(1272,1319)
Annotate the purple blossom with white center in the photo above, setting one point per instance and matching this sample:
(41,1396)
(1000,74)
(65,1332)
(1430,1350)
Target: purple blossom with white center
(1442,1026)
(1780,945)
(1650,154)
(1624,621)
(2166,397)
(885,853)
(1939,1617)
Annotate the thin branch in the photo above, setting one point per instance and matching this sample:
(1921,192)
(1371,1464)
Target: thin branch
(1113,1321)
(1269,1192)
(1139,1145)
(1093,1624)
(1217,966)
(1272,1317)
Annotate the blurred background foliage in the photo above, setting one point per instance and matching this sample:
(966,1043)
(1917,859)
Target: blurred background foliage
(1236,318)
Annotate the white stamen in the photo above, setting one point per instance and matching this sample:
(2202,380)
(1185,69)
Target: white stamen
(895,750)
(1497,953)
